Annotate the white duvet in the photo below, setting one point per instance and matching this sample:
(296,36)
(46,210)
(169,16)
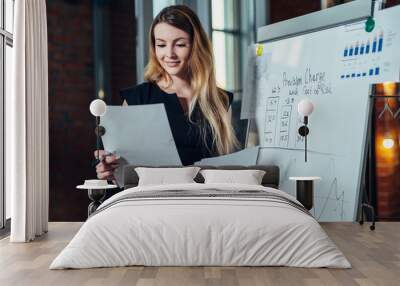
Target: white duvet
(200,231)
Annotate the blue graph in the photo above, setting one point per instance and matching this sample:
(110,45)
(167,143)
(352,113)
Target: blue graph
(370,46)
(362,74)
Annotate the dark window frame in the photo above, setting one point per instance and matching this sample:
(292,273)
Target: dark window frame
(236,33)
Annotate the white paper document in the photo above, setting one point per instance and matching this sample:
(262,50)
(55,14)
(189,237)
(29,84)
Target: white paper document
(140,135)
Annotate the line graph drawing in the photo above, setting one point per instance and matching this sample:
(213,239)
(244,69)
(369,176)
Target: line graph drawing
(334,197)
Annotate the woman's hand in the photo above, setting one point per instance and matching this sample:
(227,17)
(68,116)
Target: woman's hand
(108,163)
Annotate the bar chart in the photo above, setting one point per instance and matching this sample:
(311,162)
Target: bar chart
(370,46)
(365,56)
(374,71)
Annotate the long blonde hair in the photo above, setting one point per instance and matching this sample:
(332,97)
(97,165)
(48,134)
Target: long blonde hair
(212,101)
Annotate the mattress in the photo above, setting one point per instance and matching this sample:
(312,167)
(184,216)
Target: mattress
(201,225)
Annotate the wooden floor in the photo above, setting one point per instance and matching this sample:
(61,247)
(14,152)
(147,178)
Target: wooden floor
(374,255)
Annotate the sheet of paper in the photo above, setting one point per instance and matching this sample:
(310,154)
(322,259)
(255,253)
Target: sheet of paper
(369,57)
(245,157)
(141,135)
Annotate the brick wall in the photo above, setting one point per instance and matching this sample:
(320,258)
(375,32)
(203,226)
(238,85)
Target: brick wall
(72,88)
(287,9)
(123,55)
(390,3)
(387,160)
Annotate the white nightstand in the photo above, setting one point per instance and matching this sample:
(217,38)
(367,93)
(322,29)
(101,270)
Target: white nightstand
(305,190)
(96,195)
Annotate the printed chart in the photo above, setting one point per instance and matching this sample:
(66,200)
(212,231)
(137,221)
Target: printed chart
(366,56)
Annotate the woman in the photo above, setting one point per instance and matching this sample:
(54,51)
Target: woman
(180,74)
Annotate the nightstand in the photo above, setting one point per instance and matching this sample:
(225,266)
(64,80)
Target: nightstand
(96,194)
(305,190)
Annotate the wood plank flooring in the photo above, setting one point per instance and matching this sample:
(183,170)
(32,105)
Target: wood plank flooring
(374,255)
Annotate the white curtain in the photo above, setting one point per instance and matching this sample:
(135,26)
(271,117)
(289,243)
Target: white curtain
(27,147)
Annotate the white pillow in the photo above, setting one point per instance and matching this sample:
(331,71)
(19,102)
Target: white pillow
(163,176)
(248,177)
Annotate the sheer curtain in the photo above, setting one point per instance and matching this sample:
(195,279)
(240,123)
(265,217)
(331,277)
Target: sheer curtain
(27,147)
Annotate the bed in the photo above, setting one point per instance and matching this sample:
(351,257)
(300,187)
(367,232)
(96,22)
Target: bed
(198,224)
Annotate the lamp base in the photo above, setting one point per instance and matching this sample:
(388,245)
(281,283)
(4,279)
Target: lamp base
(305,193)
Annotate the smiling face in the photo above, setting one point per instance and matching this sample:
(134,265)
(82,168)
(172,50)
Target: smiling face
(172,48)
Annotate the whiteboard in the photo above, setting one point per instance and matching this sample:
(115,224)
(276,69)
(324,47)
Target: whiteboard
(334,68)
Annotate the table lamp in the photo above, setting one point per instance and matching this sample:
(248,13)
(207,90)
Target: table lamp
(98,108)
(305,108)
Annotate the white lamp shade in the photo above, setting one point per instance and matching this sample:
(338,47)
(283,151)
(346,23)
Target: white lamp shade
(98,107)
(305,107)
